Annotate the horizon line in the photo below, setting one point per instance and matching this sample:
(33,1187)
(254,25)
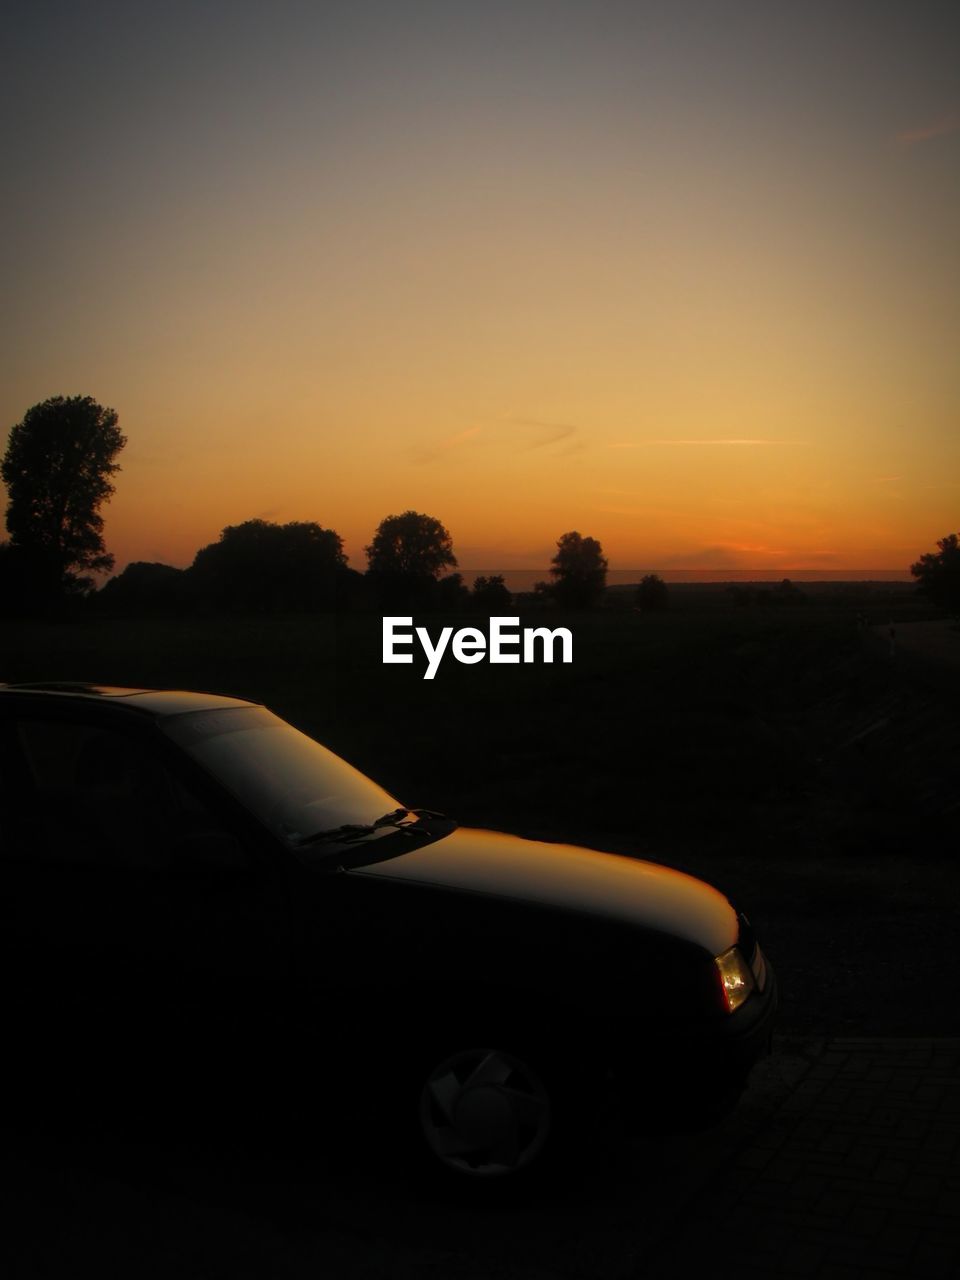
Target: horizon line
(727,568)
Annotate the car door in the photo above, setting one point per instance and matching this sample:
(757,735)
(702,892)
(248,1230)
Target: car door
(144,929)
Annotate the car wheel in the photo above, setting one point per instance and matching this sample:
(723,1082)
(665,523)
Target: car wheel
(485,1114)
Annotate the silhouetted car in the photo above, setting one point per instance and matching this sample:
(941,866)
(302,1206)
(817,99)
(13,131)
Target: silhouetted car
(201,901)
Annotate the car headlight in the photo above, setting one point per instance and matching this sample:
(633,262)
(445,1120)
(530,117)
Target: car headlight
(736,980)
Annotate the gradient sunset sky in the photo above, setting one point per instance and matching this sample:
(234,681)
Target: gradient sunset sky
(682,276)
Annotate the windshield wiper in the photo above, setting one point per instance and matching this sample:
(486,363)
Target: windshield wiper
(355,830)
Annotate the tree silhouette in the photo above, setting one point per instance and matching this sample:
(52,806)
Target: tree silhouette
(57,470)
(652,593)
(411,544)
(407,555)
(144,590)
(451,593)
(938,573)
(18,587)
(491,595)
(579,571)
(262,567)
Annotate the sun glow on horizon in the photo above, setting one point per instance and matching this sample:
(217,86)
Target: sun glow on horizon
(524,271)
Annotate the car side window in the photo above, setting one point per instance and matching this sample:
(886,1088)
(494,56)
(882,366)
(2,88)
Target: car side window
(106,797)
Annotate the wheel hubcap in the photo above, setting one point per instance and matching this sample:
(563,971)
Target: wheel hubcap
(484,1112)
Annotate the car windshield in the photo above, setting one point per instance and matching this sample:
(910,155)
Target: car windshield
(296,787)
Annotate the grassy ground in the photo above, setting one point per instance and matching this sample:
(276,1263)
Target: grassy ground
(719,722)
(778,752)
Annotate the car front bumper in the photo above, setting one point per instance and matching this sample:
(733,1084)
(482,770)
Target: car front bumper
(690,1076)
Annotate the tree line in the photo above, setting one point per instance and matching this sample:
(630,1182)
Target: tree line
(58,469)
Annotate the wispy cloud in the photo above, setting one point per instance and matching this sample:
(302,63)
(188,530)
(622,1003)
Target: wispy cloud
(423,454)
(561,438)
(641,444)
(510,434)
(546,433)
(938,128)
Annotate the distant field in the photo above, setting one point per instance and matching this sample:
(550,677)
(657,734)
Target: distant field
(699,720)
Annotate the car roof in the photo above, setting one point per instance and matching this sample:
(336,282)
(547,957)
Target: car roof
(152,702)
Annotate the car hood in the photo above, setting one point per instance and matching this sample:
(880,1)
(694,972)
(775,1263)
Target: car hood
(561,875)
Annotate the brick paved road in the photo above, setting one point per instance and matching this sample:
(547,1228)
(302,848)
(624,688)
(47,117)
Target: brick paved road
(841,1161)
(855,1175)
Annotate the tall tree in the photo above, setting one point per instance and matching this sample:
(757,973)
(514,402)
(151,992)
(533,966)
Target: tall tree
(411,544)
(57,469)
(407,555)
(579,571)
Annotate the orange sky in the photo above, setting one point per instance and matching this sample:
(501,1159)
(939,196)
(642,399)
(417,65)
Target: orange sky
(690,287)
